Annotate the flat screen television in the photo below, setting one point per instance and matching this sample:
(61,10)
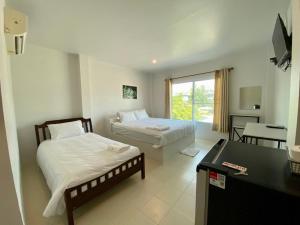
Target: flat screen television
(282,43)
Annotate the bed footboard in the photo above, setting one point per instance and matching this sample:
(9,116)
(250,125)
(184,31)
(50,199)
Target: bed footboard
(80,194)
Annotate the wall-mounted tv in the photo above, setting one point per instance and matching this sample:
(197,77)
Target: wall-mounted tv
(282,43)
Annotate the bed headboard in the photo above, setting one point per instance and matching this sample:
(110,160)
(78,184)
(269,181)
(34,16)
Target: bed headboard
(87,125)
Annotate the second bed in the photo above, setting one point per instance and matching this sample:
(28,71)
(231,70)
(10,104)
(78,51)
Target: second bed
(158,138)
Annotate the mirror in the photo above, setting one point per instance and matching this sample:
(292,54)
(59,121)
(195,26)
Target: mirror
(250,98)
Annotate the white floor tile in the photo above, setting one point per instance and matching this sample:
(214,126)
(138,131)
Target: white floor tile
(191,189)
(169,196)
(175,218)
(156,209)
(139,219)
(186,205)
(131,217)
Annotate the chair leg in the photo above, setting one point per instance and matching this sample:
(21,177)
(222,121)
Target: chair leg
(244,139)
(240,137)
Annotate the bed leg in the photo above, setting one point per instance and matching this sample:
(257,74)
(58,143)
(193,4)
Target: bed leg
(70,217)
(69,209)
(143,167)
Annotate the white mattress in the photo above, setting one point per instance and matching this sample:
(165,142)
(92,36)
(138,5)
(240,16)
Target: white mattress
(71,161)
(138,130)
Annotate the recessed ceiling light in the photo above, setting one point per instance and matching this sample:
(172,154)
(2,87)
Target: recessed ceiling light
(154,61)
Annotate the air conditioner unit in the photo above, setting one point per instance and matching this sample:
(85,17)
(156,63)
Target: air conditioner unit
(15,29)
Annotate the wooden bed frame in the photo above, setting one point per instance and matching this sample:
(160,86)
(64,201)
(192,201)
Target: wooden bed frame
(82,193)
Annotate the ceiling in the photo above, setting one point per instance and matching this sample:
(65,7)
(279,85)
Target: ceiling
(133,32)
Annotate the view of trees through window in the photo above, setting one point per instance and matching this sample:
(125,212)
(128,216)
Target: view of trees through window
(193,100)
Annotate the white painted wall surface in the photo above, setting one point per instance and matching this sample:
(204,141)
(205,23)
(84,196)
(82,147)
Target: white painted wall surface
(106,82)
(282,82)
(279,84)
(46,86)
(251,67)
(11,206)
(294,107)
(85,86)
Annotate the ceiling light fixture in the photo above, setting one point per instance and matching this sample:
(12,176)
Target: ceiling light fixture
(154,61)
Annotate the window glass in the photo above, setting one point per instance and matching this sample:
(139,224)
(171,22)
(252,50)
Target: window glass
(182,94)
(193,100)
(204,100)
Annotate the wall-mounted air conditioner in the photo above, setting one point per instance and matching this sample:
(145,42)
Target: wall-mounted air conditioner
(15,29)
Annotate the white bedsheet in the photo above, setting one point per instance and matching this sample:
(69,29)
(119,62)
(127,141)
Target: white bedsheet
(68,162)
(137,130)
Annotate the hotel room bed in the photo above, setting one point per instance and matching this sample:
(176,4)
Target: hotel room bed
(139,130)
(78,168)
(159,145)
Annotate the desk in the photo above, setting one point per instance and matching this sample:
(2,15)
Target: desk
(260,131)
(232,116)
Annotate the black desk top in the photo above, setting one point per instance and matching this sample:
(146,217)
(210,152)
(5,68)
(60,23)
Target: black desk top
(267,167)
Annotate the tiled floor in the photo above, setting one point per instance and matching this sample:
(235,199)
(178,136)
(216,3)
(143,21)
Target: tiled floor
(165,197)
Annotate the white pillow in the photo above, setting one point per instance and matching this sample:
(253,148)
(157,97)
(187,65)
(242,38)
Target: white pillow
(127,116)
(141,114)
(64,130)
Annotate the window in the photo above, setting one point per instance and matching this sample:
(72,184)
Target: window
(193,100)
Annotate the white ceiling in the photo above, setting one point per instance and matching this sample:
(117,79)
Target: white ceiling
(133,32)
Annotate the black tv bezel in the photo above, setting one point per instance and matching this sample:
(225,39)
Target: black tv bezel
(286,56)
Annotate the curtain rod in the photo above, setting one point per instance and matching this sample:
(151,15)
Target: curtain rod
(191,75)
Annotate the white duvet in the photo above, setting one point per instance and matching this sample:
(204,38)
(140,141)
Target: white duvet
(70,161)
(139,130)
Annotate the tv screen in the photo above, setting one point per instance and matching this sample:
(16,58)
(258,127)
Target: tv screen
(281,42)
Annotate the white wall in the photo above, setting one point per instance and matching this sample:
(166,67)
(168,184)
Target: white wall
(294,107)
(50,84)
(281,81)
(11,207)
(85,86)
(46,86)
(105,90)
(281,96)
(251,68)
(11,204)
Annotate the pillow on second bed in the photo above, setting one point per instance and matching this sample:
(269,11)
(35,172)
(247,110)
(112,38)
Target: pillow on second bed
(64,130)
(141,114)
(127,116)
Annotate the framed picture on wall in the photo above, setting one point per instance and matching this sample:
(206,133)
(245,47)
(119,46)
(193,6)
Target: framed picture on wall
(129,92)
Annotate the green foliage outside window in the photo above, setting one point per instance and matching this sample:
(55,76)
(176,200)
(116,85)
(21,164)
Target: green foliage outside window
(182,107)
